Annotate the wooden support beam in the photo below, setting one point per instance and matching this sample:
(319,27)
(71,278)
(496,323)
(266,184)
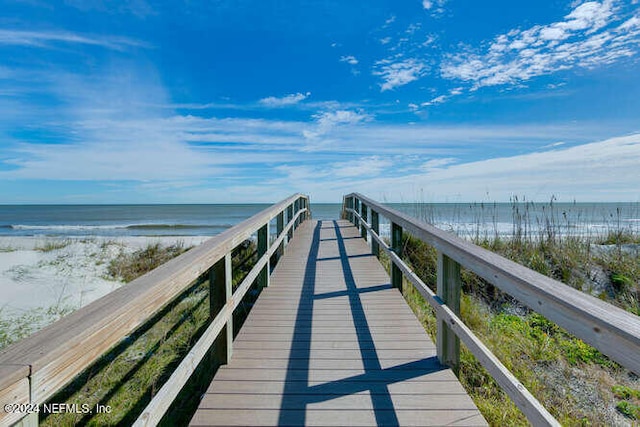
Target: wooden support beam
(305,205)
(279,228)
(220,292)
(30,420)
(289,217)
(263,245)
(396,247)
(375,226)
(363,229)
(449,284)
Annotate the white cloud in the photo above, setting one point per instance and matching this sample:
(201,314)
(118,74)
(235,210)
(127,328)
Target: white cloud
(435,101)
(590,35)
(553,145)
(366,167)
(437,163)
(399,73)
(45,38)
(327,121)
(429,4)
(599,171)
(413,28)
(429,40)
(284,101)
(139,8)
(349,59)
(443,98)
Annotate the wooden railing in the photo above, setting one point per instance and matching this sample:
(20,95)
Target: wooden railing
(611,330)
(34,369)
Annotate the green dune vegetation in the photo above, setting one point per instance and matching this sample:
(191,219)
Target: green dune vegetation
(575,382)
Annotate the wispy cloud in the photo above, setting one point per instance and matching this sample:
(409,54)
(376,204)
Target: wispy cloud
(284,101)
(349,59)
(342,171)
(396,73)
(435,101)
(553,145)
(429,4)
(441,98)
(580,173)
(435,6)
(328,120)
(139,8)
(593,34)
(433,164)
(43,39)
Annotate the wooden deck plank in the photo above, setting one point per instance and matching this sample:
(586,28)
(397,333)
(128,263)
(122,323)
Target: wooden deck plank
(327,418)
(277,387)
(330,401)
(331,343)
(336,345)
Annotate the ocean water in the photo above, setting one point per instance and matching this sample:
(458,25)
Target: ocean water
(466,219)
(132,220)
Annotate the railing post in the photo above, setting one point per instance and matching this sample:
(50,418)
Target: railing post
(289,217)
(350,206)
(263,245)
(449,283)
(220,292)
(396,246)
(375,226)
(305,204)
(279,229)
(357,209)
(295,210)
(363,229)
(30,420)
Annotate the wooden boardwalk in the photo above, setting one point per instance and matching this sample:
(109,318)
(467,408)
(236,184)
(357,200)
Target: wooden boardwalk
(330,343)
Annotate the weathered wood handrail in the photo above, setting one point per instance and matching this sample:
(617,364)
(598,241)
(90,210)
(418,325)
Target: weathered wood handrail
(611,330)
(34,369)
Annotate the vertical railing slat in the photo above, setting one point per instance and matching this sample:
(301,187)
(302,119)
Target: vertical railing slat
(375,225)
(289,217)
(396,246)
(220,293)
(279,228)
(263,246)
(363,229)
(449,285)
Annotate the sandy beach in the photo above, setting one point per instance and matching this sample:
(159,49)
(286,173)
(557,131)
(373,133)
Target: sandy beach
(64,273)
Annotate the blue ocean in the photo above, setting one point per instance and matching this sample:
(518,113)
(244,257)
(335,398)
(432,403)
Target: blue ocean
(466,219)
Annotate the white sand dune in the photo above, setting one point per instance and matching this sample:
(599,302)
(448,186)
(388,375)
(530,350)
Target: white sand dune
(67,277)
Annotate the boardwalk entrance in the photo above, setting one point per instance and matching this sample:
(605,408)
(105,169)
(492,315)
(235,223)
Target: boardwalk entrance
(329,342)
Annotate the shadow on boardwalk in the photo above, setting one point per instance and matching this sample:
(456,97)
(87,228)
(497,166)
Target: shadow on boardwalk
(297,393)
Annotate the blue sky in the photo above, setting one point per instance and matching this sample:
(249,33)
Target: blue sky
(248,101)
